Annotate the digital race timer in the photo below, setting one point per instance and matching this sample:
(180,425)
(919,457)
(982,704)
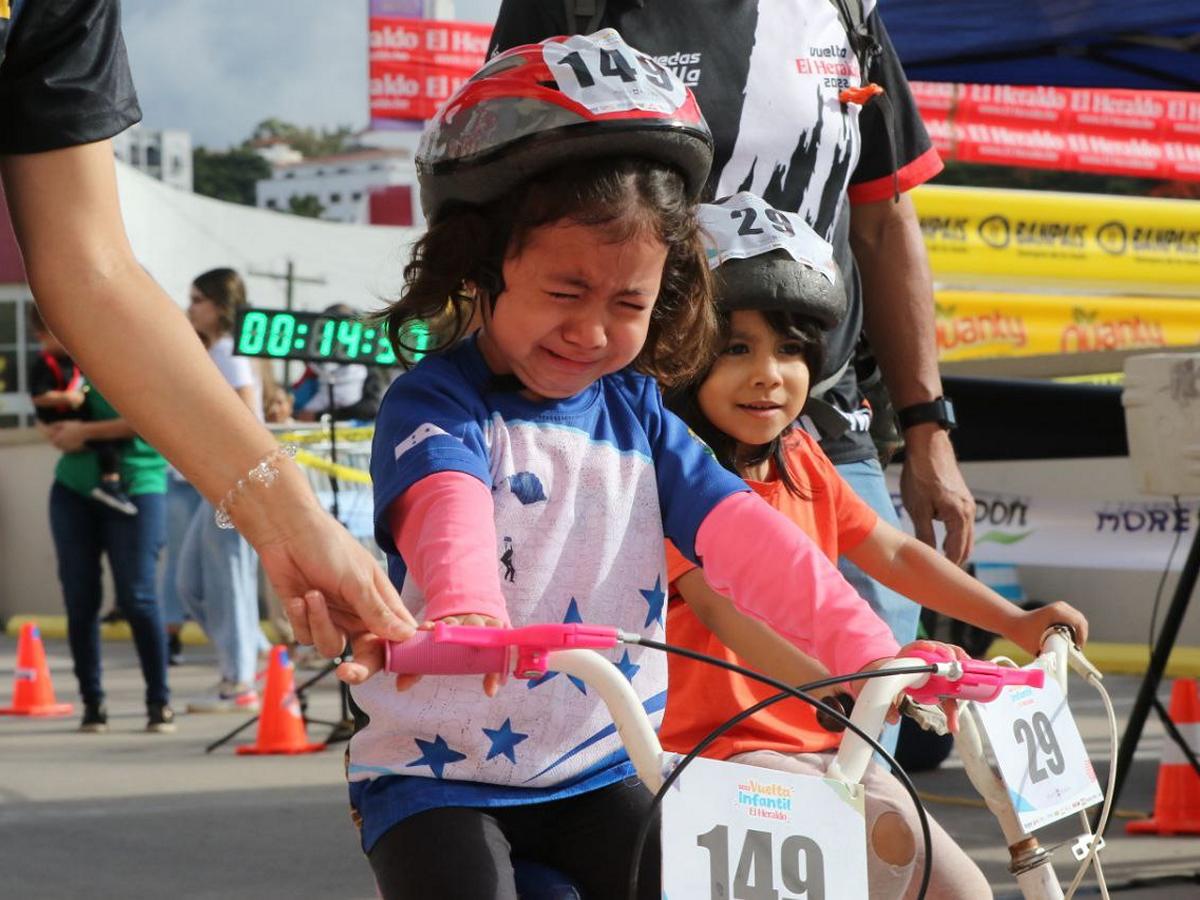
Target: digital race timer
(317,337)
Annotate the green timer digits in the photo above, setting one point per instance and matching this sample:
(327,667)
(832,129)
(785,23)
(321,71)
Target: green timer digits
(318,337)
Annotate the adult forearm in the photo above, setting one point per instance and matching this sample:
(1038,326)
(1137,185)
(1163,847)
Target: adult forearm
(118,325)
(52,398)
(107,430)
(897,299)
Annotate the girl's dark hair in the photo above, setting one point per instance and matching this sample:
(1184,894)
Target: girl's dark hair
(226,290)
(684,401)
(626,196)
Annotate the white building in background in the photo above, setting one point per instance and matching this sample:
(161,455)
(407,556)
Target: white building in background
(276,151)
(344,183)
(165,155)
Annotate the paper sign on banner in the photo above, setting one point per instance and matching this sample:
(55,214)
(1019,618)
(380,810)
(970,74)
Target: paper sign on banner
(1040,754)
(730,830)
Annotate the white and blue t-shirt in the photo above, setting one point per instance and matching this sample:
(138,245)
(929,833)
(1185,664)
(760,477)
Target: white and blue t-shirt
(584,490)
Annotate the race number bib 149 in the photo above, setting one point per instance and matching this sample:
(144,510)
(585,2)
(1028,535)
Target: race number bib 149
(736,831)
(743,225)
(603,73)
(1040,753)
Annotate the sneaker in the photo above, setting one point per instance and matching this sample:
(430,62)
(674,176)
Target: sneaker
(161,718)
(113,496)
(112,617)
(174,649)
(95,718)
(229,697)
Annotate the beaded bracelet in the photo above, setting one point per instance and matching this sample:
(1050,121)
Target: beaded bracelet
(264,473)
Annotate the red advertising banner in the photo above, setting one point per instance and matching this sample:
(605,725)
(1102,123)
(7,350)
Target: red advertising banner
(415,64)
(1151,134)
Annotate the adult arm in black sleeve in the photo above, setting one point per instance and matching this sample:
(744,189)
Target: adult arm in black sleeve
(65,79)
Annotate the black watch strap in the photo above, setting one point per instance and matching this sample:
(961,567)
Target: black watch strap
(939,411)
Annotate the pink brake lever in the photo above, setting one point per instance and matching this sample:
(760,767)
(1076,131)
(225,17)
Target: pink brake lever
(981,680)
(472,649)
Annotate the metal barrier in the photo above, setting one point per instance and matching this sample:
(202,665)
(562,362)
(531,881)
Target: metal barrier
(337,464)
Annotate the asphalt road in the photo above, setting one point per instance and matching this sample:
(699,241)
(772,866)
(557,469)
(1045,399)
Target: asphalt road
(133,815)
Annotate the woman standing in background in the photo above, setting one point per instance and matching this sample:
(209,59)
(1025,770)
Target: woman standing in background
(216,576)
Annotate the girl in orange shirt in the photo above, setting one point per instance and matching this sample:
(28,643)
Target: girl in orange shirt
(777,290)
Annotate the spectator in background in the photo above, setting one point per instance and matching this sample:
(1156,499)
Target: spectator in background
(345,390)
(278,405)
(217,576)
(84,531)
(57,390)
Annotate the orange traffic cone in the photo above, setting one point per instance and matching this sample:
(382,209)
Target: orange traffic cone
(33,692)
(1177,794)
(280,725)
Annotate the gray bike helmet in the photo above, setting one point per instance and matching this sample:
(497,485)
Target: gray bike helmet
(766,259)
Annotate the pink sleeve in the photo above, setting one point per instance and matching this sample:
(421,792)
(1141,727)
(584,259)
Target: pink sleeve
(772,571)
(445,530)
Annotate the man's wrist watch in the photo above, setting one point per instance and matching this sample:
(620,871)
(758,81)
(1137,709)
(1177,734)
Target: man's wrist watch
(939,411)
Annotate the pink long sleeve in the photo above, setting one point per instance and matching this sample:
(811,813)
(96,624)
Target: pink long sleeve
(444,528)
(772,571)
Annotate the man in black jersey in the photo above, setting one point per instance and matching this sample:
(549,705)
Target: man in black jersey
(776,81)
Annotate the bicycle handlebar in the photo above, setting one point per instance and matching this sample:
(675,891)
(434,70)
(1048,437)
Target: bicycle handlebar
(476,650)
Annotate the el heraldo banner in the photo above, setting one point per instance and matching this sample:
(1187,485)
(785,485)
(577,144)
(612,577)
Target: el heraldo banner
(1044,239)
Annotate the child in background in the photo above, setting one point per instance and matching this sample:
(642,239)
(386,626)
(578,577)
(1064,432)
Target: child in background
(777,290)
(56,387)
(563,216)
(278,406)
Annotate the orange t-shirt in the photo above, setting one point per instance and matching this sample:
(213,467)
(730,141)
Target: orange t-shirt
(700,696)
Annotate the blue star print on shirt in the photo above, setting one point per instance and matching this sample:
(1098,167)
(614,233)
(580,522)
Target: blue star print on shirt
(655,598)
(627,668)
(437,755)
(572,617)
(504,740)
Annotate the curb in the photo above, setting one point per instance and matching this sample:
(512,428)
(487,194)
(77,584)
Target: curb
(1117,659)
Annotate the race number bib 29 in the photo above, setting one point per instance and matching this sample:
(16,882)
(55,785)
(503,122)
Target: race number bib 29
(603,73)
(736,831)
(1040,753)
(744,225)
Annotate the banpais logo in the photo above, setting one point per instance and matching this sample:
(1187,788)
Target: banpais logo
(685,65)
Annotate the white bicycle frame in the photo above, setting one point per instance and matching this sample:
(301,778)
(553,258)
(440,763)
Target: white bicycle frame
(1030,862)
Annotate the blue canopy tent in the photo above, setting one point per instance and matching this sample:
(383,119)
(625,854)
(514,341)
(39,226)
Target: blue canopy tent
(1141,44)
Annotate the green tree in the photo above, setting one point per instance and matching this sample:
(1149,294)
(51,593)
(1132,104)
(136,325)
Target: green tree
(228,175)
(308,205)
(308,141)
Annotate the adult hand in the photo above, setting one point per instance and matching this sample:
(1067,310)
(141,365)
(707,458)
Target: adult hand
(932,487)
(68,436)
(332,589)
